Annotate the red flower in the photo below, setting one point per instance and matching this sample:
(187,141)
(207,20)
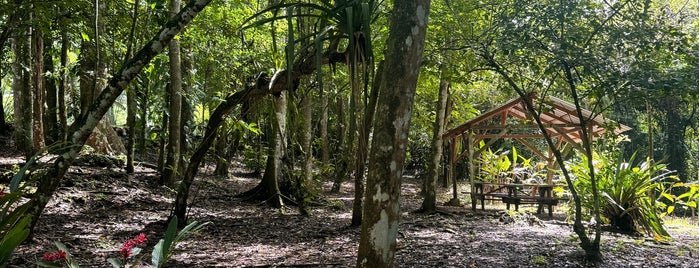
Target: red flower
(128,246)
(58,255)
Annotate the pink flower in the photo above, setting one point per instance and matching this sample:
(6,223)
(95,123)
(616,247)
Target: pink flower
(128,246)
(58,255)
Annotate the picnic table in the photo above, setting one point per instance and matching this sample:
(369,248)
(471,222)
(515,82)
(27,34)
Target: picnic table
(515,193)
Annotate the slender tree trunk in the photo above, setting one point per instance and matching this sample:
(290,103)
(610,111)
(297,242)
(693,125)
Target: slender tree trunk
(325,150)
(306,146)
(175,107)
(3,123)
(429,204)
(143,96)
(63,84)
(22,94)
(131,97)
(51,93)
(220,152)
(340,160)
(186,116)
(365,129)
(377,244)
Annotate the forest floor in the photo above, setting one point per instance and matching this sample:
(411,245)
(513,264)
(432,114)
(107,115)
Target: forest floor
(98,208)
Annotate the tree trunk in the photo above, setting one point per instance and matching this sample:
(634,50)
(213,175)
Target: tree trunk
(93,78)
(51,93)
(377,244)
(340,160)
(81,129)
(3,123)
(306,178)
(220,152)
(186,115)
(131,98)
(175,107)
(429,204)
(62,85)
(365,129)
(325,150)
(38,89)
(22,94)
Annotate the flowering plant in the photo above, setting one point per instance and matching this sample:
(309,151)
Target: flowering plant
(58,258)
(162,251)
(130,248)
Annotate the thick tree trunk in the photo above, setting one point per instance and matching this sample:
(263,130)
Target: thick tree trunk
(84,124)
(93,78)
(377,244)
(429,204)
(38,89)
(175,107)
(22,94)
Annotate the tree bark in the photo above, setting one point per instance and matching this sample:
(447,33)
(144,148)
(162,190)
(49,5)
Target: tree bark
(307,152)
(22,94)
(220,152)
(131,98)
(377,244)
(63,84)
(365,129)
(81,129)
(175,107)
(51,95)
(429,204)
(324,148)
(340,161)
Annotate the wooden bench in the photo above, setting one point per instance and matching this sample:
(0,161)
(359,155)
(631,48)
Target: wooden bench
(515,195)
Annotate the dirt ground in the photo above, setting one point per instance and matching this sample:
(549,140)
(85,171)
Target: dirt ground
(96,209)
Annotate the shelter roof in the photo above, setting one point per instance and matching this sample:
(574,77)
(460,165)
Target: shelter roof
(559,117)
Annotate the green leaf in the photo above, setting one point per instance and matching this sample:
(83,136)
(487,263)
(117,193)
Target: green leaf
(116,262)
(670,209)
(12,239)
(85,37)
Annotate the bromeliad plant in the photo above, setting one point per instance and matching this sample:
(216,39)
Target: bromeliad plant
(628,192)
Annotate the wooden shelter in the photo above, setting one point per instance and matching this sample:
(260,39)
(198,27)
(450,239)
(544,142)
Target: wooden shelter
(511,120)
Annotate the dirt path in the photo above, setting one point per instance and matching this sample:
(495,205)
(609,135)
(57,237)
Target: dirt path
(97,209)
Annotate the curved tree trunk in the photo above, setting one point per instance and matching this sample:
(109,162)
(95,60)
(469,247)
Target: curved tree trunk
(85,123)
(377,244)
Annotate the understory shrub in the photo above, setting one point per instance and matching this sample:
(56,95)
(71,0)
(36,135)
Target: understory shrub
(628,192)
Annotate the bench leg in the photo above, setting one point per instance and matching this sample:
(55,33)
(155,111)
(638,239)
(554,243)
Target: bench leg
(516,206)
(482,203)
(550,211)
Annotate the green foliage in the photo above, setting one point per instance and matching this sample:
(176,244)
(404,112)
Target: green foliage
(501,165)
(14,227)
(628,202)
(166,246)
